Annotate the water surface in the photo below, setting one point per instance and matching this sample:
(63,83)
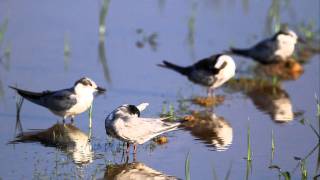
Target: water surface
(139,35)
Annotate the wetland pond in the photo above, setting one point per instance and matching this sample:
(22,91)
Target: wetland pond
(261,114)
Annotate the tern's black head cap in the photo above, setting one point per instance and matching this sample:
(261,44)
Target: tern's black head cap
(133,110)
(85,81)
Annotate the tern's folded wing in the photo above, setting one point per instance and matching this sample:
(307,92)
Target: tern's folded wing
(61,100)
(141,130)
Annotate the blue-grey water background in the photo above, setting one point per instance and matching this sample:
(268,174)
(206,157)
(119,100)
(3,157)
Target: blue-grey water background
(139,35)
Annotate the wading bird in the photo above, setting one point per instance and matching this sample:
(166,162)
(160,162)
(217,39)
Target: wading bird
(272,50)
(125,124)
(210,72)
(66,102)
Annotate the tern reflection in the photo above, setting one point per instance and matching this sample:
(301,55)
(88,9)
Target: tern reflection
(268,98)
(288,70)
(65,137)
(134,170)
(212,130)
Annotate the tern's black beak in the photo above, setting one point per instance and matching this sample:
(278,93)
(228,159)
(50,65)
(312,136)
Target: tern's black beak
(101,90)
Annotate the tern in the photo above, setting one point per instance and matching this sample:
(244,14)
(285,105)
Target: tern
(279,47)
(66,102)
(125,124)
(210,72)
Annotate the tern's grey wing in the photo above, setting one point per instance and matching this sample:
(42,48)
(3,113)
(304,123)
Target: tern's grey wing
(60,100)
(140,130)
(264,50)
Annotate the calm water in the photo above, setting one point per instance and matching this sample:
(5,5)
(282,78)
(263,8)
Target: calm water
(138,36)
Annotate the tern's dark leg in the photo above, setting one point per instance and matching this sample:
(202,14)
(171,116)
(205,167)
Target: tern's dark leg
(128,148)
(134,157)
(210,92)
(134,148)
(72,120)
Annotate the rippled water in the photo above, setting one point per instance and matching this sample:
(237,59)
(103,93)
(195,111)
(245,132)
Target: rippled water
(49,45)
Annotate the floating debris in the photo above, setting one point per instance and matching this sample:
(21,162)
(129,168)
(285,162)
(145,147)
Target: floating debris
(160,140)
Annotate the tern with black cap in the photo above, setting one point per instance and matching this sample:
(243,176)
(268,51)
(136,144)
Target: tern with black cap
(125,124)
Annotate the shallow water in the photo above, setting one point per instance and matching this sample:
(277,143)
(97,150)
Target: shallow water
(138,36)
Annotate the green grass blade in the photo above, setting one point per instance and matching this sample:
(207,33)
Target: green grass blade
(249,153)
(103,15)
(228,173)
(214,173)
(3,29)
(90,116)
(286,175)
(272,146)
(187,167)
(303,169)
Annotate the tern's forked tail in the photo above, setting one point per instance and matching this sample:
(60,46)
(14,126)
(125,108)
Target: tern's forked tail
(242,52)
(179,69)
(31,96)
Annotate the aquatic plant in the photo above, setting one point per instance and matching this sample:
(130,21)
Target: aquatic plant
(90,116)
(3,29)
(102,18)
(101,46)
(66,51)
(19,102)
(187,167)
(285,174)
(249,153)
(191,29)
(272,146)
(171,114)
(7,51)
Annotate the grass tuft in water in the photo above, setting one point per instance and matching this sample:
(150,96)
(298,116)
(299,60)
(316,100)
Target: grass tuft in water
(5,56)
(164,107)
(90,121)
(318,106)
(102,17)
(191,29)
(171,114)
(66,51)
(3,29)
(228,172)
(249,152)
(272,146)
(303,170)
(90,116)
(67,48)
(187,167)
(214,173)
(19,102)
(286,175)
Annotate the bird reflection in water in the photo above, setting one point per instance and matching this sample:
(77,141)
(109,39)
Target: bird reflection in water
(267,97)
(288,70)
(65,137)
(212,130)
(134,170)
